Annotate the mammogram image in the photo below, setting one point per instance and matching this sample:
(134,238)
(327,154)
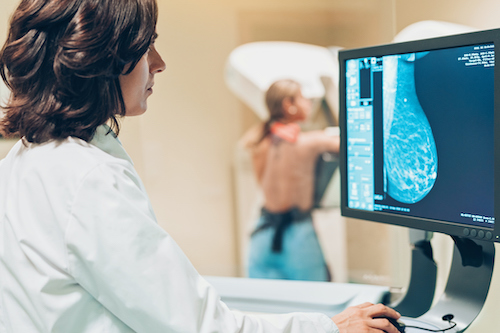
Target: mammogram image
(410,156)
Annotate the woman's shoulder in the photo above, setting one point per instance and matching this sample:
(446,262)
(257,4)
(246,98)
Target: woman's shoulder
(68,158)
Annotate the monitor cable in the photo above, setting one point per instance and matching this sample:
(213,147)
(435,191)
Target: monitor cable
(447,318)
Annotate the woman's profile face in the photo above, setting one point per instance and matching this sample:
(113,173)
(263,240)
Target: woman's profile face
(137,86)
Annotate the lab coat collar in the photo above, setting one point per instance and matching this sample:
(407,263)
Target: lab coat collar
(106,140)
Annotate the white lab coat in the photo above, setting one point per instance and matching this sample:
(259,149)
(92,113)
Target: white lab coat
(81,251)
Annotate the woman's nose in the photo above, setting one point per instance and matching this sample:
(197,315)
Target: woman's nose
(156,63)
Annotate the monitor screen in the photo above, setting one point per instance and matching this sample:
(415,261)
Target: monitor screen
(418,134)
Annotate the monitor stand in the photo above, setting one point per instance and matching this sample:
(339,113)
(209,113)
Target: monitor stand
(466,289)
(420,292)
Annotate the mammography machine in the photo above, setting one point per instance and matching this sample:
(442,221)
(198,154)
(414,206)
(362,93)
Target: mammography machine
(250,70)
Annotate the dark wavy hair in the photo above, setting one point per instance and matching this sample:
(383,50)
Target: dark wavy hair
(62,60)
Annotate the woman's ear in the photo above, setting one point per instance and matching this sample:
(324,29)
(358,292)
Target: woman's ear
(288,108)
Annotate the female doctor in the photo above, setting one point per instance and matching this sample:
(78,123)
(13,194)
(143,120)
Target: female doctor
(80,249)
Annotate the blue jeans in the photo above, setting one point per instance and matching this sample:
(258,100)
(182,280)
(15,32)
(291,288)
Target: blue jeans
(299,257)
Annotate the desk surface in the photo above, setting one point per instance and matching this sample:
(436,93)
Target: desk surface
(283,296)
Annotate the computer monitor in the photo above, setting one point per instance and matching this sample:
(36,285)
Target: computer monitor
(419,130)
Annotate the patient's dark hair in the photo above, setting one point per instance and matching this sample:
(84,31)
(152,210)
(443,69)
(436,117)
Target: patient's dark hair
(62,60)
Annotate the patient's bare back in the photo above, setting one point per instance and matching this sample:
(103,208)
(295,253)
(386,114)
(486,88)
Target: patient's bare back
(285,170)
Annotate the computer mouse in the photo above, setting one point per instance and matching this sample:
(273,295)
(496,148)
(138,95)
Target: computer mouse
(397,323)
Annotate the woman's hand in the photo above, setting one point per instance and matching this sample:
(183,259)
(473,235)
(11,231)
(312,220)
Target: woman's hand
(359,319)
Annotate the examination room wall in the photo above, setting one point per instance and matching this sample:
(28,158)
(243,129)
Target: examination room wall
(183,147)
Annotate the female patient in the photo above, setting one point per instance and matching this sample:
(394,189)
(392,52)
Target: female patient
(80,248)
(284,244)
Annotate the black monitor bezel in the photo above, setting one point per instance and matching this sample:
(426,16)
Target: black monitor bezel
(422,45)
